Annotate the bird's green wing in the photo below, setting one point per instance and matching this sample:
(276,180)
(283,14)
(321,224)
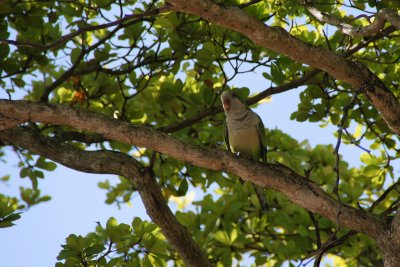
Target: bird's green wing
(263,139)
(226,137)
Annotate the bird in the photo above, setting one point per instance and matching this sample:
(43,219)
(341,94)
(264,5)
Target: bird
(244,134)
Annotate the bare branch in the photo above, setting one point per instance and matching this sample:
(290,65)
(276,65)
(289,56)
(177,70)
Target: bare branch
(364,43)
(381,17)
(329,244)
(342,126)
(383,196)
(317,231)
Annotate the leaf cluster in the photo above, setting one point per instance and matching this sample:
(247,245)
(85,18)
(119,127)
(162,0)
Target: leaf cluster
(117,244)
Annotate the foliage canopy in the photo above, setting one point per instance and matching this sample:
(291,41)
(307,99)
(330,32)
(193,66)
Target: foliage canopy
(164,66)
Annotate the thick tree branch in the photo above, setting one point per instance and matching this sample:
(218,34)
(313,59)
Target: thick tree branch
(279,40)
(278,177)
(110,162)
(7,123)
(396,226)
(375,27)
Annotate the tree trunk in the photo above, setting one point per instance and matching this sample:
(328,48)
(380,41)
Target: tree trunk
(390,248)
(391,258)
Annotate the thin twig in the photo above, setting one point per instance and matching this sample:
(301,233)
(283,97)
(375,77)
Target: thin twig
(82,30)
(342,126)
(383,196)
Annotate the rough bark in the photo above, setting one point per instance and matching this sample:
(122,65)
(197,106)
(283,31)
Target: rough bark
(391,251)
(278,177)
(6,123)
(277,39)
(395,227)
(110,162)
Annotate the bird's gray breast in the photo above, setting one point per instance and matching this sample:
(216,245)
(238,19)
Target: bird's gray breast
(243,134)
(242,121)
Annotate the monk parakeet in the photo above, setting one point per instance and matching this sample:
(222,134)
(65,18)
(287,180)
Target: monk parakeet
(244,134)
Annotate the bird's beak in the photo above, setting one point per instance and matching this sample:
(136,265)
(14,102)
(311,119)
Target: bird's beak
(226,104)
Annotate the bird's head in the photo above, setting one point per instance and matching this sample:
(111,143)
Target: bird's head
(231,103)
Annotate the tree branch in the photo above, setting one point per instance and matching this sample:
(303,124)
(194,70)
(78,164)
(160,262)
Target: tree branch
(297,188)
(7,123)
(110,162)
(342,126)
(395,227)
(250,101)
(383,196)
(375,27)
(329,244)
(71,35)
(279,40)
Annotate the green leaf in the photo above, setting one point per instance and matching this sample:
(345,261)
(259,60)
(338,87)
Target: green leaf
(255,201)
(104,185)
(75,53)
(5,224)
(17,81)
(94,249)
(203,55)
(24,172)
(267,76)
(159,247)
(134,31)
(390,143)
(146,262)
(335,119)
(371,170)
(301,116)
(102,3)
(113,231)
(183,188)
(186,219)
(358,131)
(45,165)
(138,227)
(9,66)
(163,23)
(222,237)
(12,217)
(4,50)
(276,74)
(100,56)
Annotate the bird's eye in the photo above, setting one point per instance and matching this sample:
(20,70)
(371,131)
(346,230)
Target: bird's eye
(234,95)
